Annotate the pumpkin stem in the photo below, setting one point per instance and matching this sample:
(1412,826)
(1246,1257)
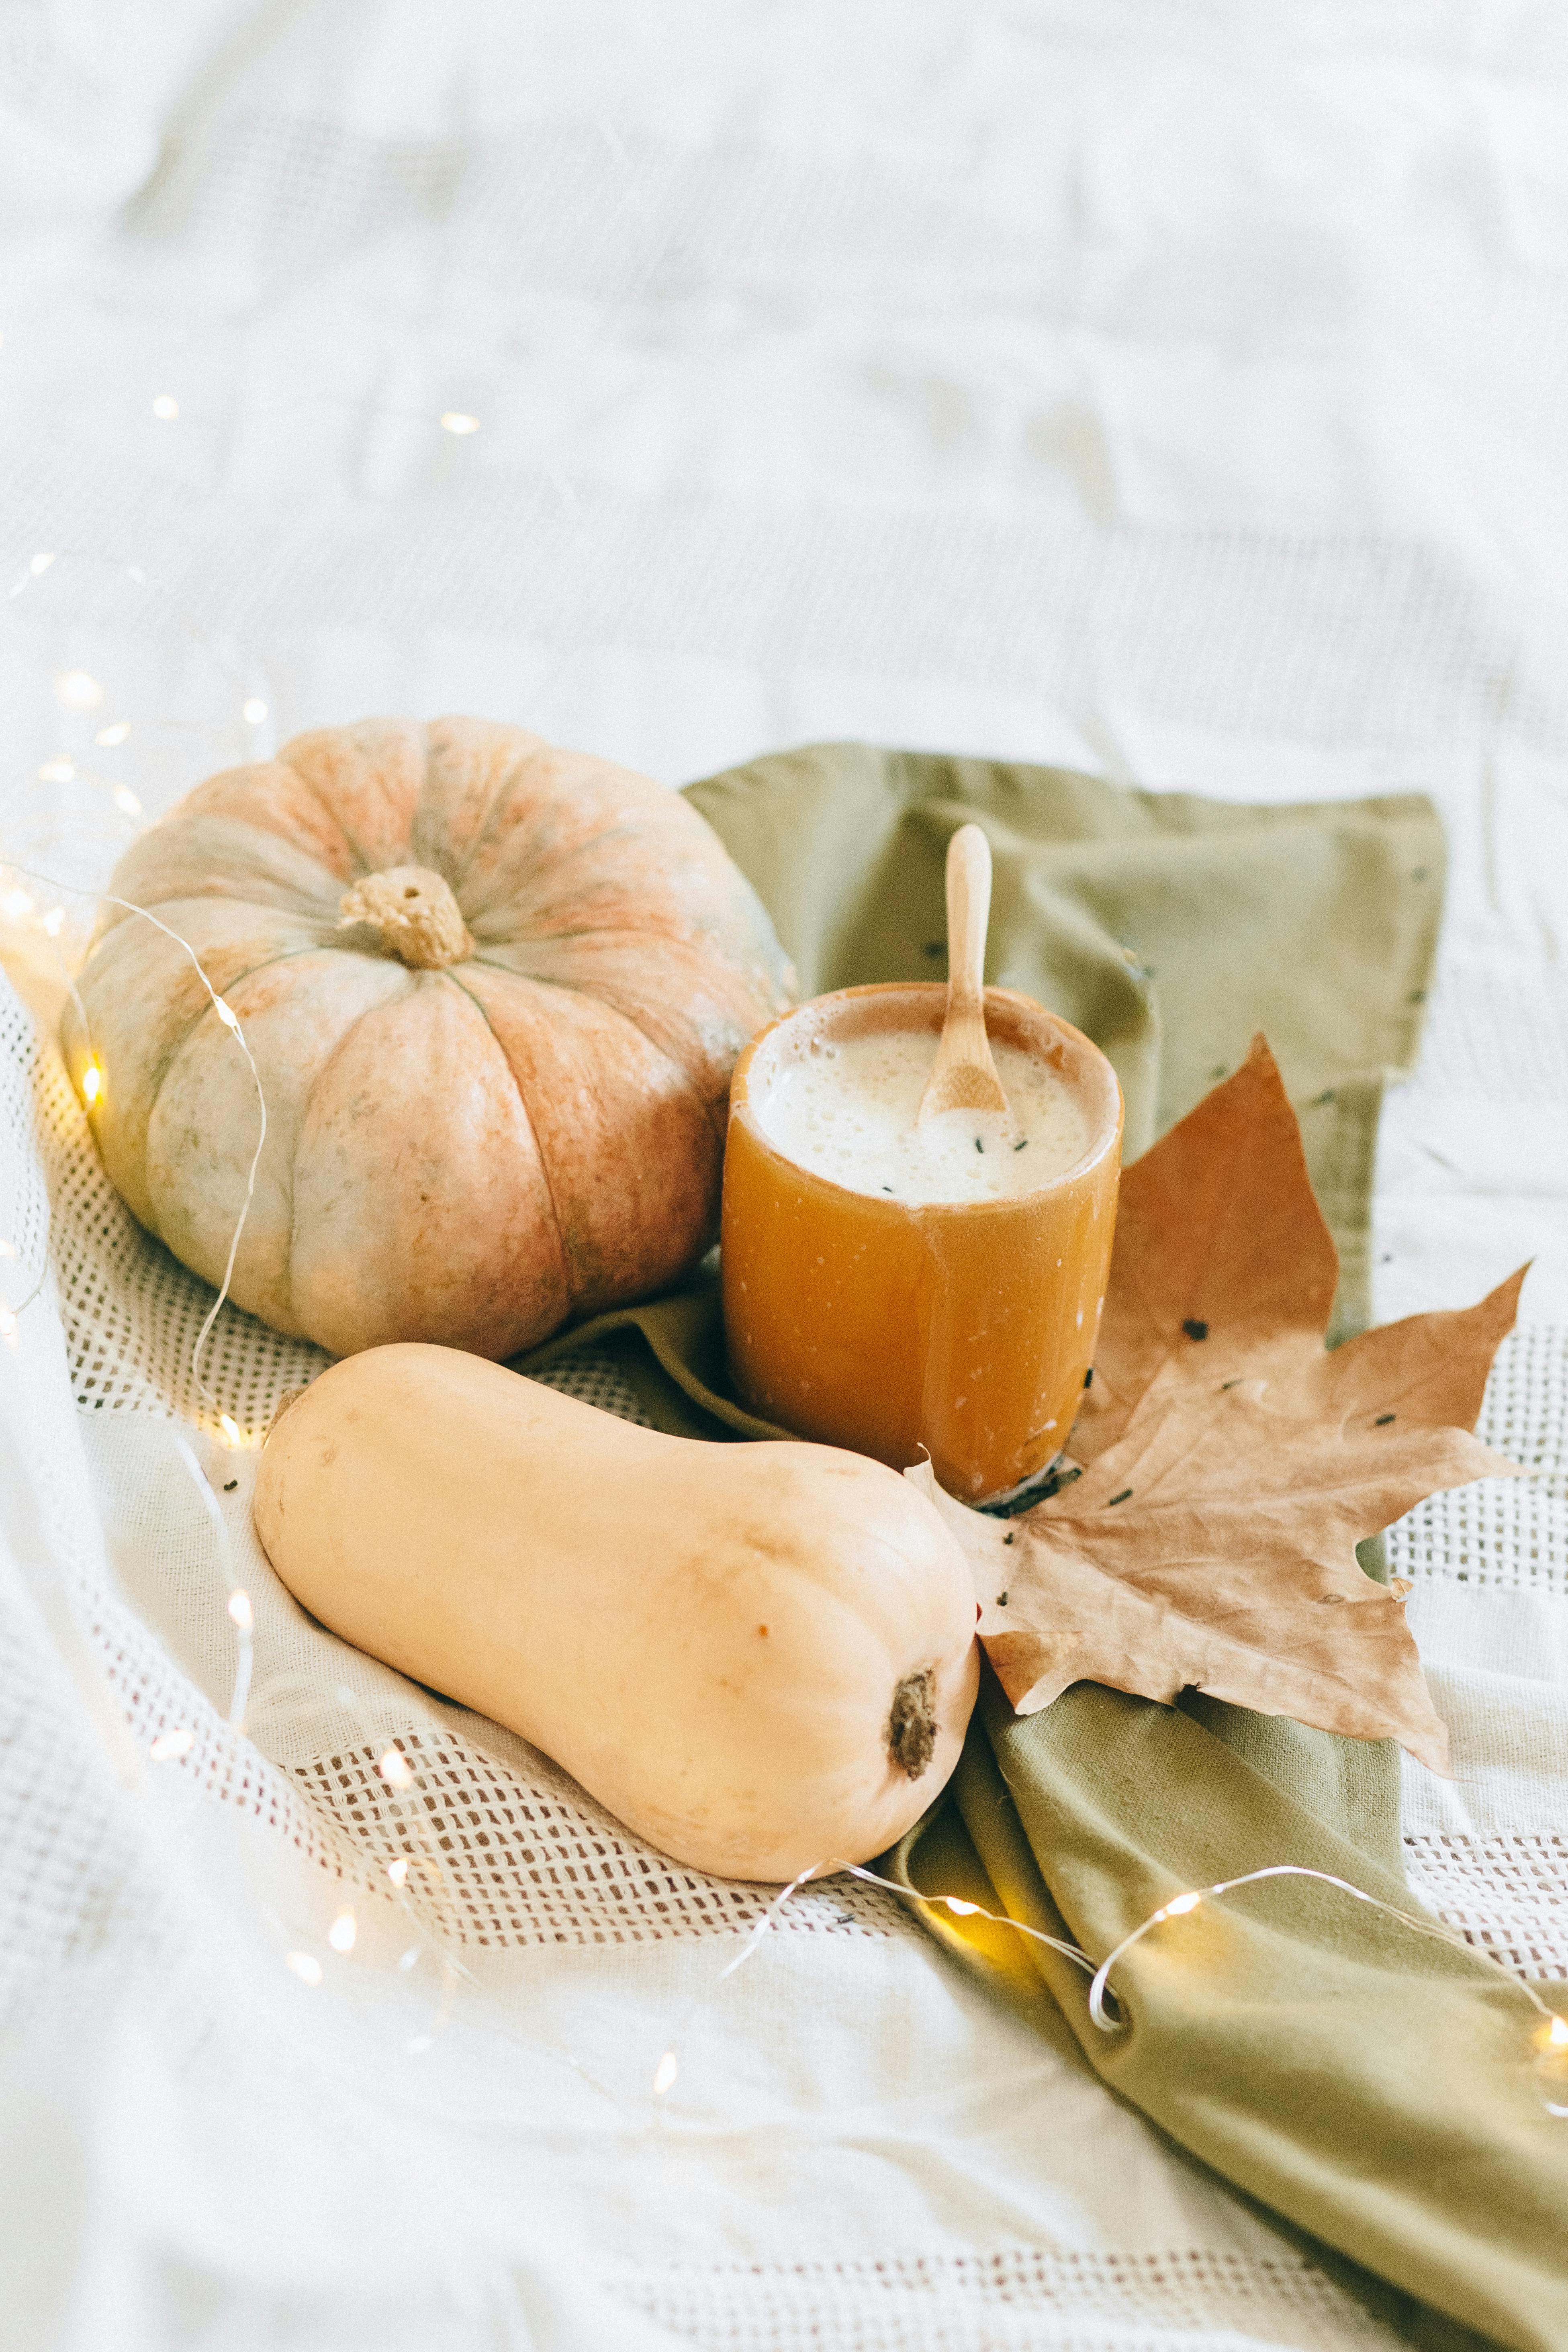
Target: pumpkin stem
(911,1726)
(414,915)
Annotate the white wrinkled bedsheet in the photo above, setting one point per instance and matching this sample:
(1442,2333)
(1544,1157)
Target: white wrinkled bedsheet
(1176,393)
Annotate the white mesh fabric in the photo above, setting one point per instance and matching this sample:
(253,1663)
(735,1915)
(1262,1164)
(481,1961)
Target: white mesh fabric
(1507,1895)
(504,1858)
(1014,2302)
(1505,1532)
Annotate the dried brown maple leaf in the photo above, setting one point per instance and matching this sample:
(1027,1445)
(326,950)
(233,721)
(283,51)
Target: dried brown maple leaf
(1233,1462)
(1223,1269)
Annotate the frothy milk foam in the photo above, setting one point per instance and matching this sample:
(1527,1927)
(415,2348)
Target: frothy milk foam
(845,1108)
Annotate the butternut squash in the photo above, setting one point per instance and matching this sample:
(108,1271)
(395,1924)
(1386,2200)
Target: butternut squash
(759,1657)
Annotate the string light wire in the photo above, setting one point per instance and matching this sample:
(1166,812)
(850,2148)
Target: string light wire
(1182,1906)
(11,1316)
(240,1608)
(665,2073)
(1553,2041)
(16,1312)
(760,1928)
(174,1746)
(962,1908)
(230,1020)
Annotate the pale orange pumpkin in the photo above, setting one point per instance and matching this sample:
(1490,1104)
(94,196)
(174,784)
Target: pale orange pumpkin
(494,992)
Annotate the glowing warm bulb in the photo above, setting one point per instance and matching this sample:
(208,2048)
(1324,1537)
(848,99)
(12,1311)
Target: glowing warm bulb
(955,1903)
(166,407)
(54,921)
(110,736)
(1557,2033)
(56,772)
(456,421)
(230,1428)
(254,711)
(92,1085)
(77,690)
(170,1744)
(7,1249)
(394,1769)
(125,798)
(14,905)
(306,1967)
(225,1014)
(1180,1903)
(40,563)
(398,1871)
(240,1611)
(665,2074)
(341,1933)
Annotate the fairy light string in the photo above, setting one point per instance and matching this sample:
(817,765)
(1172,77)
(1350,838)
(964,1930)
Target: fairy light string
(1550,2040)
(10,1317)
(179,1742)
(92,1085)
(1182,1906)
(411,1877)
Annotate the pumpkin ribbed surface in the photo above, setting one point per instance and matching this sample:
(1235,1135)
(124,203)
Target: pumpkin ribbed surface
(494,992)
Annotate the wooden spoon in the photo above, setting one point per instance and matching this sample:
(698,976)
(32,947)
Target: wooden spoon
(964,1076)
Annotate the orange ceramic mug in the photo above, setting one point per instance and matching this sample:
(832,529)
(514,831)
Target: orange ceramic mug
(964,1328)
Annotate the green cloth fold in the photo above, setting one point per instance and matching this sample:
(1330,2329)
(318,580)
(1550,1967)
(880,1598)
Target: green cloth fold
(1374,2087)
(1378,2089)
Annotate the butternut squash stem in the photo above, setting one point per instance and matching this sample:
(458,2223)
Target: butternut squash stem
(912,1724)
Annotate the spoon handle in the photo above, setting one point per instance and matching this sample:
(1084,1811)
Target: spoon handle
(964,1076)
(968,913)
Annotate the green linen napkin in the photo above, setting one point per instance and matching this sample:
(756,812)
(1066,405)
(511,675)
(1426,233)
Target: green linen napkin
(1374,2087)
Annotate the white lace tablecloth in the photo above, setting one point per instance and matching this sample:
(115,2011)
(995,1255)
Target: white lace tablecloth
(1173,394)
